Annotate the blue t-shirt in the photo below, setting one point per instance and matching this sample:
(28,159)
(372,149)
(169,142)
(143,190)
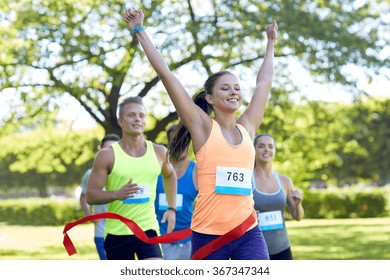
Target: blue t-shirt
(186,194)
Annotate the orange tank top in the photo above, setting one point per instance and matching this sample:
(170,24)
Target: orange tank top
(224,183)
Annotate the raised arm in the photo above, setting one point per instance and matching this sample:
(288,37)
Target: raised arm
(187,110)
(253,115)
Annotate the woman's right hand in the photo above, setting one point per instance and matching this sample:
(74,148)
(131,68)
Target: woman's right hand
(272,31)
(133,18)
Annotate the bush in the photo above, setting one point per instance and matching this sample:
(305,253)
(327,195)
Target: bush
(345,203)
(370,204)
(40,211)
(318,203)
(336,205)
(312,203)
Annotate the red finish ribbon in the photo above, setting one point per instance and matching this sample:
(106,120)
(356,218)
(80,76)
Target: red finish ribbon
(166,238)
(231,235)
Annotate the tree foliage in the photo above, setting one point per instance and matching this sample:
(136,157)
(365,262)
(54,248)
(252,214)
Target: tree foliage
(46,157)
(332,142)
(84,50)
(315,141)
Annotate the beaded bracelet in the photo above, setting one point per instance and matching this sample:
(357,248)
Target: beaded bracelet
(139,28)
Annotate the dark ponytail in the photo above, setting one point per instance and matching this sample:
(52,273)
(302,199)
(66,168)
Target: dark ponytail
(181,138)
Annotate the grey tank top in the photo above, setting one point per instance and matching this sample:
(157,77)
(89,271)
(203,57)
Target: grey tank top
(277,240)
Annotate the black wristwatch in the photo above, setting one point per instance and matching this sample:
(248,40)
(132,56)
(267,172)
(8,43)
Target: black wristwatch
(173,209)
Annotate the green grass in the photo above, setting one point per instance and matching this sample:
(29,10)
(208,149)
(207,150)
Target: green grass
(340,239)
(337,239)
(45,243)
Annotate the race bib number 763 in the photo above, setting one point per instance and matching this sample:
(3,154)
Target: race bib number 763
(233,180)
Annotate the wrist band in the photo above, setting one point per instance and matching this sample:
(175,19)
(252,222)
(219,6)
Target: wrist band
(139,28)
(173,209)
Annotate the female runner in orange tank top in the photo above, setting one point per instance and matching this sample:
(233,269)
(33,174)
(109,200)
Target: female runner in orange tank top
(223,201)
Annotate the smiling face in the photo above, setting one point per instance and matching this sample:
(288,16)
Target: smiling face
(226,93)
(133,119)
(265,149)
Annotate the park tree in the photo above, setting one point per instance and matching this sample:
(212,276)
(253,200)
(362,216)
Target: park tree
(46,157)
(303,134)
(335,143)
(366,145)
(56,51)
(85,51)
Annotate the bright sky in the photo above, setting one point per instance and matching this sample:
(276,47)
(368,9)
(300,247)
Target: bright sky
(379,87)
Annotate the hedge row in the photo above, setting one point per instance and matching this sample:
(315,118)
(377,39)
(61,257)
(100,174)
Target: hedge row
(318,203)
(346,203)
(40,211)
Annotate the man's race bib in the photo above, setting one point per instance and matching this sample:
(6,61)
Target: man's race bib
(141,196)
(271,220)
(163,202)
(233,180)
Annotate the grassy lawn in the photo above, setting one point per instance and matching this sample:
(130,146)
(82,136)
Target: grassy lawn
(337,239)
(45,243)
(340,239)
